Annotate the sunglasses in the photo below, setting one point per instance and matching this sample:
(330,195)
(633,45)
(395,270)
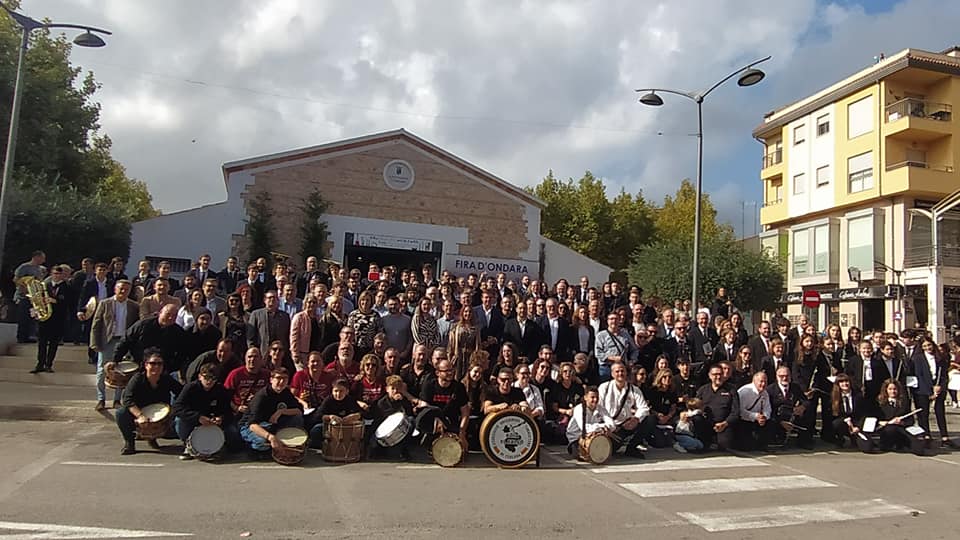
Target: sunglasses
(153,363)
(501,379)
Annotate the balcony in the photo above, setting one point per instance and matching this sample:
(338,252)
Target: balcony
(918,120)
(772,164)
(919,176)
(773,211)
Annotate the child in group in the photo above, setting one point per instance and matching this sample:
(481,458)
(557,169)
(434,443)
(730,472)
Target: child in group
(684,431)
(596,421)
(396,400)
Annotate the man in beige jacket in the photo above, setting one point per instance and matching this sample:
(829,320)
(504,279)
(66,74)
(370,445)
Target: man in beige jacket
(113,317)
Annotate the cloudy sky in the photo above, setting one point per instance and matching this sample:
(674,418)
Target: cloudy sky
(516,87)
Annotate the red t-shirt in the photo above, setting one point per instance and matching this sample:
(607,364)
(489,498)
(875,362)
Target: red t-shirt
(311,390)
(349,373)
(368,392)
(243,384)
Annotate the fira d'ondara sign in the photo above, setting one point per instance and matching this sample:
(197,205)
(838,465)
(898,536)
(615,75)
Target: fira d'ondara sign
(513,268)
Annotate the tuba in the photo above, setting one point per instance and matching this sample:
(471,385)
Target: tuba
(37,294)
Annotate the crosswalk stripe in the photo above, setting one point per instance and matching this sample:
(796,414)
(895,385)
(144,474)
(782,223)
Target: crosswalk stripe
(724,485)
(719,462)
(781,516)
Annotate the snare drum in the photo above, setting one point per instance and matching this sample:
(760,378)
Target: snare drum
(596,448)
(393,430)
(343,439)
(116,375)
(292,448)
(448,450)
(509,438)
(158,421)
(205,442)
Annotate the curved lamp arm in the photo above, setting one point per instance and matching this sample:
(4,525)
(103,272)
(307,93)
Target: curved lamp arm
(728,77)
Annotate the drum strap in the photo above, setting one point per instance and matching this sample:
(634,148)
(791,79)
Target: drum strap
(623,401)
(583,420)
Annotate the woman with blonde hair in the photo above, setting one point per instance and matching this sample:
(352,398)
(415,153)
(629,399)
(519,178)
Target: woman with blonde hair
(304,331)
(464,340)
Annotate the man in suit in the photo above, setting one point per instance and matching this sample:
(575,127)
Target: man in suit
(665,327)
(429,277)
(163,272)
(583,292)
(679,345)
(190,284)
(203,271)
(790,406)
(141,280)
(229,277)
(772,362)
(704,338)
(51,331)
(556,330)
(502,289)
(99,288)
(289,303)
(783,332)
(760,344)
(214,303)
(885,366)
(491,322)
(268,324)
(524,333)
(312,271)
(110,322)
(257,288)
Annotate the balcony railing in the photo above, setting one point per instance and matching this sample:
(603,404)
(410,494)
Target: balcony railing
(774,202)
(773,158)
(920,256)
(920,165)
(919,108)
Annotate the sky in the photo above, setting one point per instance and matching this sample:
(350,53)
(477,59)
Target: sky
(515,87)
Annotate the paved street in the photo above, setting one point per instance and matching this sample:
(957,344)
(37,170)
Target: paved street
(62,475)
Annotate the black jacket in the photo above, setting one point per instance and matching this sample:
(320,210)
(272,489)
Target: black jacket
(172,341)
(529,344)
(194,402)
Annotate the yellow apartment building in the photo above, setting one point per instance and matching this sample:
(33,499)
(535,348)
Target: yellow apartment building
(850,174)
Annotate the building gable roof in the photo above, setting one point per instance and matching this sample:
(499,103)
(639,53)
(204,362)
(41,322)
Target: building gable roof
(400,135)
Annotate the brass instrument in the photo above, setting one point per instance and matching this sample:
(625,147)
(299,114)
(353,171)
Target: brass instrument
(813,378)
(37,294)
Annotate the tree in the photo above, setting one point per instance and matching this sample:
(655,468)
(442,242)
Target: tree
(313,230)
(675,219)
(754,280)
(128,197)
(580,216)
(260,235)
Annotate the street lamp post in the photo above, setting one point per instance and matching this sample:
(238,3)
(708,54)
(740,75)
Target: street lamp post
(748,77)
(27,25)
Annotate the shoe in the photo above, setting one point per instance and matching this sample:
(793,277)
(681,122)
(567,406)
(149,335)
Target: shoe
(948,443)
(153,444)
(38,369)
(186,456)
(100,406)
(49,370)
(678,448)
(634,452)
(117,405)
(128,449)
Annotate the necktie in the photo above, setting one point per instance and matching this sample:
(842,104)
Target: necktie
(893,403)
(847,407)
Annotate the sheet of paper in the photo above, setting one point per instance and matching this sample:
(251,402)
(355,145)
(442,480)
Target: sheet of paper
(308,411)
(869,424)
(912,381)
(915,430)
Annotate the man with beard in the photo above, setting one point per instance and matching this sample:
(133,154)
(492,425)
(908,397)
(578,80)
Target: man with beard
(447,406)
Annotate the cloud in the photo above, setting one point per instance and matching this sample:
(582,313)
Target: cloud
(515,87)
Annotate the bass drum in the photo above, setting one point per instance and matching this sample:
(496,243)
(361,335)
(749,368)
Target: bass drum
(509,438)
(595,448)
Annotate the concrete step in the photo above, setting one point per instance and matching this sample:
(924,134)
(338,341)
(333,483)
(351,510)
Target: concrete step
(66,352)
(61,365)
(20,401)
(60,378)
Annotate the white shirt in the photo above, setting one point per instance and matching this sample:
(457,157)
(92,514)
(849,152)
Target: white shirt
(595,323)
(634,406)
(119,318)
(753,402)
(584,336)
(932,362)
(554,330)
(596,421)
(102,290)
(532,396)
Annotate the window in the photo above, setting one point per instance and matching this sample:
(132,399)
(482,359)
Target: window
(775,191)
(860,172)
(860,117)
(799,184)
(801,251)
(860,243)
(821,249)
(823,175)
(823,125)
(798,134)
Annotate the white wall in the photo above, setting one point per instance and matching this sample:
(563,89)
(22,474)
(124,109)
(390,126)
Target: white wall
(184,235)
(806,158)
(563,262)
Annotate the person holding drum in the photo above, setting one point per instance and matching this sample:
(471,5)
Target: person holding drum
(503,395)
(149,387)
(446,406)
(396,400)
(203,402)
(584,423)
(109,324)
(272,408)
(625,404)
(339,403)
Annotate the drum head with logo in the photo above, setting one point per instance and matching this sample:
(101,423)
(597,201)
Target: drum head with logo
(206,440)
(292,437)
(156,412)
(510,438)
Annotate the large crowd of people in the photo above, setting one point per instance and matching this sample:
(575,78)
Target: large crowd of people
(257,349)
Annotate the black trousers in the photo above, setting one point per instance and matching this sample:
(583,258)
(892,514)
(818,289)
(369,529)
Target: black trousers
(49,334)
(922,402)
(893,437)
(751,435)
(703,427)
(632,437)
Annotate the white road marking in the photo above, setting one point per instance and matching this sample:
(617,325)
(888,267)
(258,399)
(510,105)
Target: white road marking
(724,485)
(941,460)
(720,462)
(797,514)
(50,531)
(276,467)
(30,471)
(418,467)
(111,464)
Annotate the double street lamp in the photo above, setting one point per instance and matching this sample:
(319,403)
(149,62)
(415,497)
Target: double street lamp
(748,76)
(88,38)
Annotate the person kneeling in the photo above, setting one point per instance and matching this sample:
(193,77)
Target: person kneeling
(754,430)
(148,387)
(203,402)
(338,404)
(897,431)
(587,419)
(397,400)
(272,408)
(625,404)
